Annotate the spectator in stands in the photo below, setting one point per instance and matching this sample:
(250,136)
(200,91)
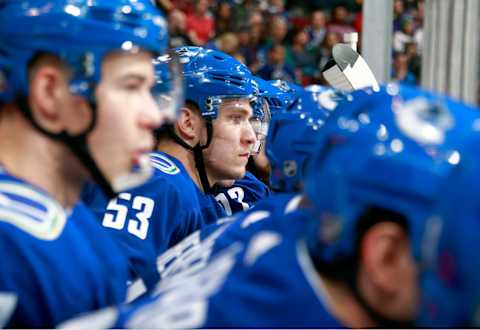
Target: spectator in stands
(301,57)
(276,7)
(340,21)
(404,35)
(223,18)
(177,29)
(400,72)
(200,24)
(243,10)
(227,43)
(325,51)
(398,12)
(318,29)
(413,58)
(278,30)
(276,68)
(253,48)
(358,17)
(418,34)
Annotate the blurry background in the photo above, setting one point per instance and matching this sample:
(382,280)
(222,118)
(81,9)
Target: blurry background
(432,43)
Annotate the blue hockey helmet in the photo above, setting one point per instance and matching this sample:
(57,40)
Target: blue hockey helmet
(328,97)
(290,143)
(450,287)
(284,95)
(80,33)
(393,149)
(5,70)
(212,76)
(291,140)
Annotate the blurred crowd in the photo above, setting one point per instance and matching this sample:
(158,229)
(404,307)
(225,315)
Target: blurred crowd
(288,40)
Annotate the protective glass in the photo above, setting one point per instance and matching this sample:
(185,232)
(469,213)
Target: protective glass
(168,95)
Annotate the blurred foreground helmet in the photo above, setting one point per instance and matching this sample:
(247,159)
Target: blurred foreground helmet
(82,33)
(292,137)
(398,150)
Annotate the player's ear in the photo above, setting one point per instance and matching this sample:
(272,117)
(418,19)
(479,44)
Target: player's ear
(387,271)
(52,104)
(189,125)
(383,249)
(44,96)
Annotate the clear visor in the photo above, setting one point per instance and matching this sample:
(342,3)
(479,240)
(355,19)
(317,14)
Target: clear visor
(248,105)
(168,88)
(167,93)
(260,122)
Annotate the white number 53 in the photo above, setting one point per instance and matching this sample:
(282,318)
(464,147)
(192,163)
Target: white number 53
(116,214)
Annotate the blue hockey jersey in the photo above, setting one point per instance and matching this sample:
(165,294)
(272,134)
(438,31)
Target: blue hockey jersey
(154,217)
(243,194)
(56,263)
(263,278)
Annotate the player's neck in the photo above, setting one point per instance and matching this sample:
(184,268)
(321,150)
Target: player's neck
(37,159)
(185,157)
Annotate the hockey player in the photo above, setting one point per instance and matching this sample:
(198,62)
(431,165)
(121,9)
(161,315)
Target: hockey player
(364,243)
(75,81)
(240,195)
(210,141)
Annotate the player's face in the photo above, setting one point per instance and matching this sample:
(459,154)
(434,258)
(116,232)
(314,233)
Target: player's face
(233,137)
(127,114)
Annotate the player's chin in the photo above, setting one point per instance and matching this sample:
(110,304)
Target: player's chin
(237,173)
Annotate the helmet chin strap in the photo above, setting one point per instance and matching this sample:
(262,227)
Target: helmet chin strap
(197,155)
(76,144)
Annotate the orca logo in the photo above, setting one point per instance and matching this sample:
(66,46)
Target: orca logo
(290,168)
(164,164)
(422,120)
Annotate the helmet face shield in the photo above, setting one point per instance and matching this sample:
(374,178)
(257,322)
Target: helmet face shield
(168,89)
(260,122)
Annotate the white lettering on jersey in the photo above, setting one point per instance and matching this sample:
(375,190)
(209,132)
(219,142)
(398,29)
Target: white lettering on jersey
(235,193)
(260,244)
(103,319)
(8,302)
(254,217)
(116,214)
(184,302)
(188,256)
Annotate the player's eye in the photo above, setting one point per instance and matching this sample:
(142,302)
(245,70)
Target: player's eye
(132,86)
(237,119)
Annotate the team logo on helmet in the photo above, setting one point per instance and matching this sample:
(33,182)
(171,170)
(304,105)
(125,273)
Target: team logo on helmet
(290,168)
(330,228)
(423,121)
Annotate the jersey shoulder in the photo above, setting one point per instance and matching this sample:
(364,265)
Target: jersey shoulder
(170,176)
(253,185)
(27,210)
